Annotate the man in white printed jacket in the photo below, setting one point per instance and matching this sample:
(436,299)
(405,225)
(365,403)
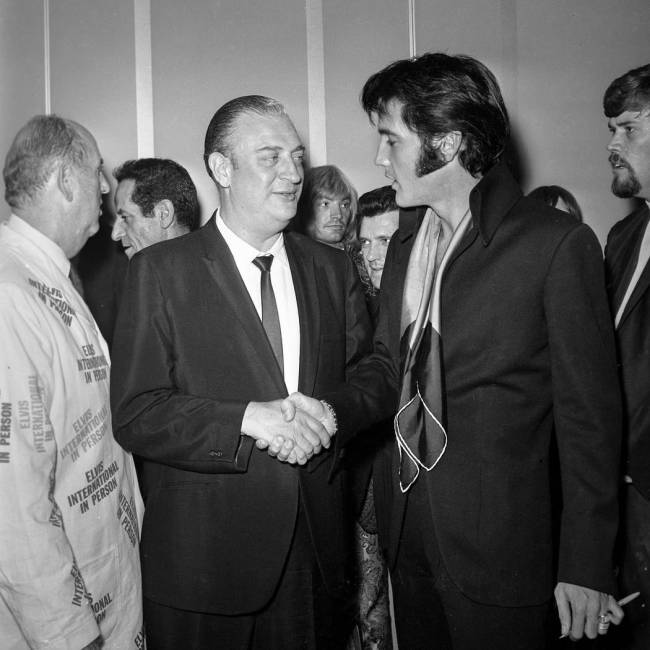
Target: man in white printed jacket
(70,510)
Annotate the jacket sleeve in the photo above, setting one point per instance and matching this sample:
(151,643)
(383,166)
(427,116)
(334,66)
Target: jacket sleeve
(152,416)
(587,409)
(370,394)
(39,581)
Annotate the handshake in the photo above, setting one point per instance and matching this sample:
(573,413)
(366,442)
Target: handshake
(292,429)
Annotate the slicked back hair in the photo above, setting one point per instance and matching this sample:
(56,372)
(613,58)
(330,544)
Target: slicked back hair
(630,92)
(157,179)
(223,123)
(440,93)
(43,143)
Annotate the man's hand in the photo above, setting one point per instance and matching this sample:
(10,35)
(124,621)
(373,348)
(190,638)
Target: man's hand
(283,449)
(579,608)
(310,405)
(265,422)
(279,448)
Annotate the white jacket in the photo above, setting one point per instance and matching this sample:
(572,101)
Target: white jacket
(70,508)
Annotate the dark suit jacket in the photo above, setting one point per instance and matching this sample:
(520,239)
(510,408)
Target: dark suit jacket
(633,341)
(528,350)
(190,352)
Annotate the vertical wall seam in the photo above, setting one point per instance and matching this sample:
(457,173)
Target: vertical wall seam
(509,53)
(143,78)
(47,76)
(317,120)
(412,42)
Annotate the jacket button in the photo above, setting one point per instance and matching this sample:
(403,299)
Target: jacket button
(218,454)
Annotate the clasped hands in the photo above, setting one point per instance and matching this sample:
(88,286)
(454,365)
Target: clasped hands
(292,429)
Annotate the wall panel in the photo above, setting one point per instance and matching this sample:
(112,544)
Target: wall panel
(360,38)
(22,80)
(93,72)
(569,52)
(218,51)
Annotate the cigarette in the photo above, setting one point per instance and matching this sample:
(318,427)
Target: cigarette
(621,602)
(628,599)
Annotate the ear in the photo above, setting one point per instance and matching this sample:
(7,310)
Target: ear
(450,145)
(66,181)
(164,212)
(221,167)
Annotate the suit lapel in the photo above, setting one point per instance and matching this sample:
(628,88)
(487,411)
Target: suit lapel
(223,271)
(622,264)
(638,292)
(305,285)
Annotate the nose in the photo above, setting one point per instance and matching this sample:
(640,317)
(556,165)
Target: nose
(292,170)
(614,143)
(104,187)
(335,209)
(118,230)
(381,158)
(373,252)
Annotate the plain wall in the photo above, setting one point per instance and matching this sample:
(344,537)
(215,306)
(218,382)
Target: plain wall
(553,59)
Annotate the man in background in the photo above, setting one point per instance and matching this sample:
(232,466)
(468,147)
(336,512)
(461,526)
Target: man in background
(627,108)
(239,549)
(155,201)
(71,509)
(377,221)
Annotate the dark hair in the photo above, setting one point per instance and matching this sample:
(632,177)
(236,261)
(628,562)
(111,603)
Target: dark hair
(374,203)
(44,142)
(319,181)
(550,194)
(440,93)
(630,92)
(157,179)
(222,124)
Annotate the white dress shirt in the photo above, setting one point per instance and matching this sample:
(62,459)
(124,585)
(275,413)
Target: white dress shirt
(644,256)
(285,295)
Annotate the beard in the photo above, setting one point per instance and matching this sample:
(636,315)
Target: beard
(624,186)
(430,159)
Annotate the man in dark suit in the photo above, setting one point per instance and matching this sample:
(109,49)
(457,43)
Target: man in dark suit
(494,326)
(627,107)
(240,550)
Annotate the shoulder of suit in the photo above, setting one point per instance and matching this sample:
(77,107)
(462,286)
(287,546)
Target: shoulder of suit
(543,217)
(629,221)
(189,243)
(314,248)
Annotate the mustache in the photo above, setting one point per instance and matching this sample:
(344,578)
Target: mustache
(615,159)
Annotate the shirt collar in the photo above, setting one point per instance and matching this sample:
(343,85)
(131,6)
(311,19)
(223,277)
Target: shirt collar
(36,237)
(243,251)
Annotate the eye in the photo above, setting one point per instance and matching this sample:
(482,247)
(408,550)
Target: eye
(323,203)
(345,205)
(270,159)
(364,243)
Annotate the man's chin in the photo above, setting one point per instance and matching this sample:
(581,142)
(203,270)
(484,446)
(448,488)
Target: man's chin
(625,189)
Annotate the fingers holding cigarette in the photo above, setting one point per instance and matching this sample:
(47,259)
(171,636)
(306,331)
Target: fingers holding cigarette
(614,612)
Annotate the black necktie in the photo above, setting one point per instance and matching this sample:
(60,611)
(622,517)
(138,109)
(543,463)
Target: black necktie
(270,319)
